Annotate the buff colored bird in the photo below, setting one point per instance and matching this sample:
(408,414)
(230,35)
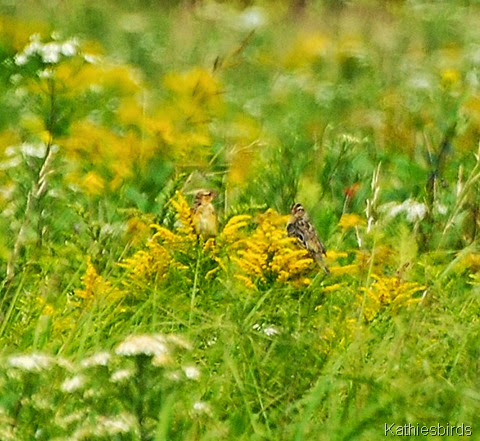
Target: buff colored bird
(203,214)
(299,226)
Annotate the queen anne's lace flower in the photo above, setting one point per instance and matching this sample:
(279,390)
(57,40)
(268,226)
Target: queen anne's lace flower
(30,362)
(151,345)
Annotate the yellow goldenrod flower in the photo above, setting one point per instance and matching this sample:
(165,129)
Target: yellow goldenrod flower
(308,49)
(184,216)
(470,261)
(450,77)
(387,292)
(268,255)
(48,310)
(247,281)
(333,288)
(165,235)
(93,183)
(335,255)
(95,286)
(229,233)
(351,220)
(163,248)
(346,269)
(148,264)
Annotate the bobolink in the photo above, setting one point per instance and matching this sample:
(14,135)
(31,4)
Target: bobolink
(299,226)
(203,214)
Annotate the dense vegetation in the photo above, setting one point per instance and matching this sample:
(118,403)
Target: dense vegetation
(118,322)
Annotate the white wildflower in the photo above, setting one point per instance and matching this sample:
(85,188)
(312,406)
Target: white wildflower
(69,48)
(98,359)
(191,372)
(92,59)
(200,407)
(153,345)
(161,360)
(11,150)
(39,433)
(270,330)
(212,341)
(252,18)
(73,384)
(20,59)
(122,423)
(33,150)
(50,53)
(441,209)
(34,45)
(30,362)
(105,427)
(391,209)
(174,376)
(65,420)
(121,375)
(11,163)
(46,74)
(415,211)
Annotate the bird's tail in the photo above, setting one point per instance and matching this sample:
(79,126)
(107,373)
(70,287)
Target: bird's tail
(321,262)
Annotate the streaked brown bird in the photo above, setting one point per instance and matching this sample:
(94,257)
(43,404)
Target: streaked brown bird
(203,214)
(299,226)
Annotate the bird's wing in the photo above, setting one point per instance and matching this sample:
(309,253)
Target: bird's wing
(312,241)
(294,229)
(291,229)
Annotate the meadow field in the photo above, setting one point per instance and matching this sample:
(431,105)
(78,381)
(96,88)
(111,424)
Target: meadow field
(119,322)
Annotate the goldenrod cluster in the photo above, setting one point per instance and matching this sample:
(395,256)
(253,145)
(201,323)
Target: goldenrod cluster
(351,220)
(339,334)
(231,233)
(104,154)
(181,128)
(95,286)
(269,255)
(113,133)
(470,261)
(386,292)
(153,263)
(184,216)
(110,157)
(308,49)
(262,256)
